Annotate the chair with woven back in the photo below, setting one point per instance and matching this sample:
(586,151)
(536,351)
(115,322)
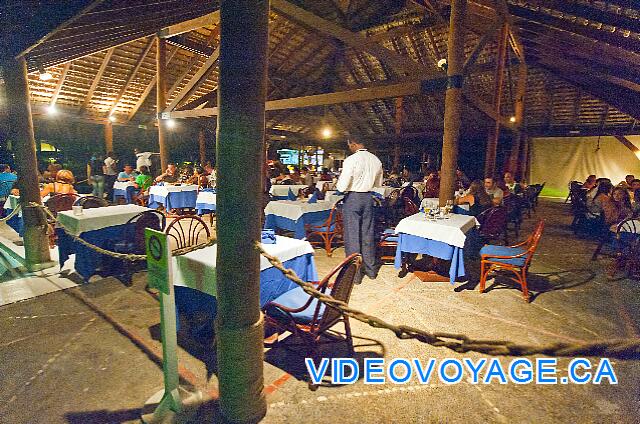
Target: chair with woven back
(626,246)
(515,259)
(411,193)
(514,213)
(493,224)
(91,202)
(409,207)
(133,242)
(187,231)
(309,320)
(328,232)
(58,203)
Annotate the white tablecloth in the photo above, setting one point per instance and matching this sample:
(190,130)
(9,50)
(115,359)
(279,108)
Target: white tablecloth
(452,231)
(206,197)
(122,185)
(97,218)
(279,190)
(197,269)
(294,209)
(163,191)
(434,202)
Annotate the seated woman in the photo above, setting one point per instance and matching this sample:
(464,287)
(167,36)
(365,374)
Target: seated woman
(62,185)
(618,208)
(476,197)
(431,185)
(199,177)
(595,204)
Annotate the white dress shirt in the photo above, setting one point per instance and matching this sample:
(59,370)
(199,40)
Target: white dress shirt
(361,172)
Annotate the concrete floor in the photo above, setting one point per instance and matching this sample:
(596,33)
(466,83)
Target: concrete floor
(60,362)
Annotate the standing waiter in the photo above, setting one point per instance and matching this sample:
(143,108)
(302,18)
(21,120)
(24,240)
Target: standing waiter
(361,172)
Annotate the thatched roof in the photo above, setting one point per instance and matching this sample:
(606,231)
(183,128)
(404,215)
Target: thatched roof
(583,62)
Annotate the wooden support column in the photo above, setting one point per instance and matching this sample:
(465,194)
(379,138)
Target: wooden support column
(36,243)
(519,135)
(108,136)
(202,147)
(396,141)
(492,142)
(453,101)
(161,99)
(242,94)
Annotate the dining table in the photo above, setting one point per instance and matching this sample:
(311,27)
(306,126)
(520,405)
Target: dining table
(173,196)
(292,215)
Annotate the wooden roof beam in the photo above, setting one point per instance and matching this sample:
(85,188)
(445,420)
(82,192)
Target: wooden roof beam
(195,82)
(63,77)
(133,74)
(96,79)
(628,144)
(206,20)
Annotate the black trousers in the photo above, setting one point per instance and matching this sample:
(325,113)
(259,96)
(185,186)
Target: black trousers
(109,181)
(359,237)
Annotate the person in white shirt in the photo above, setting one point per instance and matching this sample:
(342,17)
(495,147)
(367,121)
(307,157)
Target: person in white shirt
(143,159)
(110,171)
(361,172)
(493,191)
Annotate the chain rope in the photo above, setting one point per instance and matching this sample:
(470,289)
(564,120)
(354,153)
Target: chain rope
(620,349)
(131,257)
(12,214)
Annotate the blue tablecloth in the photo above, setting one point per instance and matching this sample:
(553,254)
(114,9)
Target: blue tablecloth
(314,218)
(127,194)
(408,243)
(273,283)
(88,261)
(16,222)
(174,200)
(203,208)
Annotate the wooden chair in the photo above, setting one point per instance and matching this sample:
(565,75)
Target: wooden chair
(409,207)
(493,224)
(61,202)
(91,202)
(515,259)
(328,231)
(309,320)
(626,247)
(186,231)
(514,213)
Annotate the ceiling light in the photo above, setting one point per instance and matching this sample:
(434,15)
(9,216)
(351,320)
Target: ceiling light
(51,110)
(112,118)
(171,123)
(44,74)
(327,132)
(512,119)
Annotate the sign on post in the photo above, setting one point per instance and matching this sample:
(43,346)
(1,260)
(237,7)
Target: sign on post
(160,277)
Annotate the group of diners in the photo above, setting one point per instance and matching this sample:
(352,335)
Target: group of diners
(611,204)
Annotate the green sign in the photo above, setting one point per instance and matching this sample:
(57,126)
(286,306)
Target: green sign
(157,259)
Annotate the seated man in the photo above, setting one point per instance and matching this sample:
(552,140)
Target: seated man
(493,191)
(626,183)
(511,184)
(210,172)
(170,176)
(128,174)
(7,180)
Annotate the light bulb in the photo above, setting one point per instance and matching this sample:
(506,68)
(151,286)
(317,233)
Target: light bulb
(327,132)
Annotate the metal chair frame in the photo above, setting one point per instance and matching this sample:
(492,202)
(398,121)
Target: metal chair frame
(189,236)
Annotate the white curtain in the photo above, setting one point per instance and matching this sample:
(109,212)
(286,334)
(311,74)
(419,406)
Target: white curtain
(559,160)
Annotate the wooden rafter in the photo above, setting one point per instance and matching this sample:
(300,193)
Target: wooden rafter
(148,88)
(206,20)
(96,79)
(196,81)
(60,83)
(132,76)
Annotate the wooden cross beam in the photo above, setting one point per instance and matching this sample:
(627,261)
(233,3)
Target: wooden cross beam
(212,18)
(133,74)
(96,79)
(63,76)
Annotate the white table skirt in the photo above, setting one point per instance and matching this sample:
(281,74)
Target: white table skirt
(294,209)
(197,269)
(452,231)
(98,218)
(163,191)
(207,197)
(280,190)
(123,185)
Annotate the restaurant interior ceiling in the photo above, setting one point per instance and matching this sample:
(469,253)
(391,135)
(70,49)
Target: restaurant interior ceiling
(583,61)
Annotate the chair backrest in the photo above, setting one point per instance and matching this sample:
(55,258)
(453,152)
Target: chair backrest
(533,241)
(186,231)
(511,204)
(135,226)
(410,208)
(631,226)
(306,191)
(493,222)
(340,289)
(393,197)
(61,202)
(409,192)
(91,202)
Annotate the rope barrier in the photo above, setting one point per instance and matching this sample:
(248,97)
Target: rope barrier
(620,349)
(131,257)
(12,214)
